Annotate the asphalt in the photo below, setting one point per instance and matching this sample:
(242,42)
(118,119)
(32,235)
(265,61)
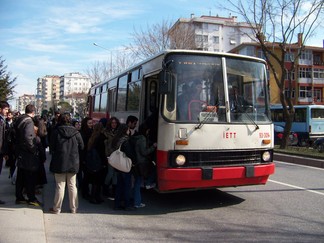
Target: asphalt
(24,223)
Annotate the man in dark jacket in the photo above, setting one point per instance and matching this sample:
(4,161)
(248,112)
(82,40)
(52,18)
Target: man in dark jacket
(4,108)
(65,144)
(27,157)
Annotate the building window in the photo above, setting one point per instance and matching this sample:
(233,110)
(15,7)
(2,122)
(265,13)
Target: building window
(318,73)
(305,92)
(290,75)
(288,93)
(205,38)
(305,72)
(205,26)
(260,54)
(317,59)
(250,51)
(306,55)
(201,38)
(216,39)
(317,95)
(289,57)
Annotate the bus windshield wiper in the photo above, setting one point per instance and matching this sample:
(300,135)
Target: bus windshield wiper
(201,123)
(251,119)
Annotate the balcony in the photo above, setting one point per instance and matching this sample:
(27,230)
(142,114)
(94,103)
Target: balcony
(305,99)
(304,80)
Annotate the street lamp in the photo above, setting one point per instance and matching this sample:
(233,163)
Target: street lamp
(95,44)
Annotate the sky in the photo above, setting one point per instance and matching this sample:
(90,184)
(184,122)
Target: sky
(54,37)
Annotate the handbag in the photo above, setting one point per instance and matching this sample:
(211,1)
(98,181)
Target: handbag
(120,161)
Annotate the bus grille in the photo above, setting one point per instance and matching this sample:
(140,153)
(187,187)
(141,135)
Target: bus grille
(218,158)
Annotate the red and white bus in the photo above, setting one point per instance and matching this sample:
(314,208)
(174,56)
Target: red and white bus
(206,139)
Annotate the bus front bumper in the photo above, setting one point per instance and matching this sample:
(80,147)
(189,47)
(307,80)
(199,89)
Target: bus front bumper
(199,178)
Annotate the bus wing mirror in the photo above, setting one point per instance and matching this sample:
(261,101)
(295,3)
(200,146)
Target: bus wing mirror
(165,82)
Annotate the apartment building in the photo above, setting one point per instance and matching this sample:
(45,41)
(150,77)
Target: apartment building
(48,92)
(307,85)
(24,100)
(74,87)
(210,33)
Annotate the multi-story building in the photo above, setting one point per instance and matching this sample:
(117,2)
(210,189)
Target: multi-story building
(306,82)
(48,91)
(210,33)
(73,88)
(24,100)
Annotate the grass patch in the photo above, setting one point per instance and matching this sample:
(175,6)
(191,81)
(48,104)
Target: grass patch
(303,151)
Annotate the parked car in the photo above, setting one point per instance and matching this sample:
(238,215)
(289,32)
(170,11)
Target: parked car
(278,135)
(319,145)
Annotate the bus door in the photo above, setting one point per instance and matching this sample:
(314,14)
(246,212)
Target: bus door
(151,107)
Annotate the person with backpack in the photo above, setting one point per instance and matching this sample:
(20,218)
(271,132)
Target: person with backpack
(143,163)
(27,154)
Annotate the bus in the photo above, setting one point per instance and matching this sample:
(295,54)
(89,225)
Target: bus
(308,121)
(204,139)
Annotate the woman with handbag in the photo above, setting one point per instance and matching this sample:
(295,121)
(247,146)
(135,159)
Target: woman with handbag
(109,187)
(123,187)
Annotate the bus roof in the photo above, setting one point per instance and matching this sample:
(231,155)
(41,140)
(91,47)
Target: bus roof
(163,53)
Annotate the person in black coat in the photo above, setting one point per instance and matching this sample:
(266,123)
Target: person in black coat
(27,155)
(4,108)
(82,176)
(96,167)
(66,141)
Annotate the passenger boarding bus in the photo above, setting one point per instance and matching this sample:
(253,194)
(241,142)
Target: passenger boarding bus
(211,112)
(308,121)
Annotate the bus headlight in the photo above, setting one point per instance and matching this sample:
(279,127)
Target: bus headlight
(180,160)
(266,156)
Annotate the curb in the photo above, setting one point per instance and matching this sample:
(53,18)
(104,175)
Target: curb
(319,163)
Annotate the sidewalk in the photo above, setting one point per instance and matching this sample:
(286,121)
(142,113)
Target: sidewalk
(19,223)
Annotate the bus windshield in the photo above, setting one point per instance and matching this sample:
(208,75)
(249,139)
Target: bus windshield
(201,93)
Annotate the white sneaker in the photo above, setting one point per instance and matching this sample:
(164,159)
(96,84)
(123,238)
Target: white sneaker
(150,186)
(142,205)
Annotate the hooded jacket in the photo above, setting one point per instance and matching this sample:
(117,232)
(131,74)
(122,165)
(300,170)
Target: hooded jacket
(65,143)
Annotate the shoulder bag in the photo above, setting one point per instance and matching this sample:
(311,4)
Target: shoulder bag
(120,161)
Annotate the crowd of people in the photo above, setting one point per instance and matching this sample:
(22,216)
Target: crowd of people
(79,157)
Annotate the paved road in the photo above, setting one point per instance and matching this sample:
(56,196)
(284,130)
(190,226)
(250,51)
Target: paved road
(288,209)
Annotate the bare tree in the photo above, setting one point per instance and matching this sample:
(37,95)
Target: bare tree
(98,72)
(150,41)
(123,60)
(103,70)
(182,36)
(278,23)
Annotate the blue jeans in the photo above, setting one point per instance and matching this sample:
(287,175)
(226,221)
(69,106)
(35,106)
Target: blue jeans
(137,191)
(123,189)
